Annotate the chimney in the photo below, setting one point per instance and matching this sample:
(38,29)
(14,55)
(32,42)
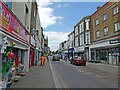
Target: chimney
(98,7)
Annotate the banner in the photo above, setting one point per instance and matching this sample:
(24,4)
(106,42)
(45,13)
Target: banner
(9,23)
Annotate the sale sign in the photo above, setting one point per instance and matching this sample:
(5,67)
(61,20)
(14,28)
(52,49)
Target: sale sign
(9,23)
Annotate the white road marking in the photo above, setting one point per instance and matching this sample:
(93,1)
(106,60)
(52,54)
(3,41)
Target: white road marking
(56,81)
(83,71)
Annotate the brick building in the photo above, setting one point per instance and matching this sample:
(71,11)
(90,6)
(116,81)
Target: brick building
(105,34)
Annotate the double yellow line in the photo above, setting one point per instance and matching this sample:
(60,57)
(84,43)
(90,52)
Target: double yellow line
(62,82)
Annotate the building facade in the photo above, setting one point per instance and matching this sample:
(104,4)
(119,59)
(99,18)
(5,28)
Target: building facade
(105,33)
(14,40)
(82,37)
(21,36)
(29,17)
(71,40)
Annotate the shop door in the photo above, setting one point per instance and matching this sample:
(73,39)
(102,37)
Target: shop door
(110,58)
(32,56)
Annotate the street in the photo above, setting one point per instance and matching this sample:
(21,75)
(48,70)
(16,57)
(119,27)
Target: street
(84,77)
(42,44)
(61,74)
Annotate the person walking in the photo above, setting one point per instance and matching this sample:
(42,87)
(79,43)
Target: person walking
(47,58)
(42,60)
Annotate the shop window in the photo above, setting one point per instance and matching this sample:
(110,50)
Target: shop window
(103,55)
(92,54)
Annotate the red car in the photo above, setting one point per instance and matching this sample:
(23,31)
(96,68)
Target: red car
(78,60)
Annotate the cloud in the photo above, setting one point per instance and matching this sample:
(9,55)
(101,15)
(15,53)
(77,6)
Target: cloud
(62,6)
(47,17)
(65,5)
(44,3)
(55,38)
(59,5)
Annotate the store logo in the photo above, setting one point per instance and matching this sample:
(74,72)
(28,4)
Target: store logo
(114,41)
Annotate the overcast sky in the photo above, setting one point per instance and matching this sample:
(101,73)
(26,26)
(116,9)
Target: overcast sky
(58,18)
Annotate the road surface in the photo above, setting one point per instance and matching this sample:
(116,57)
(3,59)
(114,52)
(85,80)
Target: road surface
(70,76)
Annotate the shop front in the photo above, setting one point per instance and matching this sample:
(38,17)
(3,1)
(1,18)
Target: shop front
(106,52)
(81,51)
(32,52)
(14,47)
(70,53)
(37,55)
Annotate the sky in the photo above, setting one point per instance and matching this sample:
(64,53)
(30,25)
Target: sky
(59,18)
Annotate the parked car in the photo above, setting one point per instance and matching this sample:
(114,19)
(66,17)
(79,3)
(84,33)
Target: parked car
(78,60)
(56,57)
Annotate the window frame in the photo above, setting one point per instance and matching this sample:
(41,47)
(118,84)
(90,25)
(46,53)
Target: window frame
(115,10)
(105,17)
(97,34)
(104,30)
(118,26)
(97,22)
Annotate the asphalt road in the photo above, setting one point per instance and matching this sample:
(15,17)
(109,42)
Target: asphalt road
(70,76)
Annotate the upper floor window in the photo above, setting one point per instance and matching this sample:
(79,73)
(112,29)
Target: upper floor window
(105,17)
(81,39)
(87,37)
(97,34)
(76,41)
(81,27)
(76,30)
(115,10)
(87,24)
(105,31)
(26,9)
(117,26)
(96,21)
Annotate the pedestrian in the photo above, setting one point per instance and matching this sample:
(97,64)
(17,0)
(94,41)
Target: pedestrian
(42,60)
(47,58)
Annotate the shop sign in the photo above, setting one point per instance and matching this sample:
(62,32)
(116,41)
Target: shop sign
(10,24)
(114,41)
(70,50)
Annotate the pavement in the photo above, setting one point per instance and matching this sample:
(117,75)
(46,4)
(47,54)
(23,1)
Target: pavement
(104,67)
(37,77)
